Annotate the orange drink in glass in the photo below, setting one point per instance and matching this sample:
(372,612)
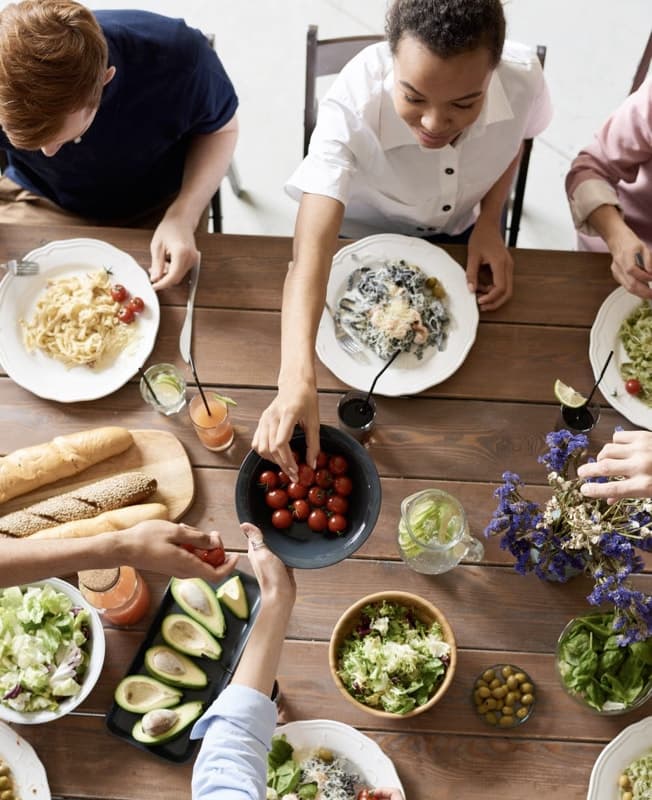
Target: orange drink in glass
(215,432)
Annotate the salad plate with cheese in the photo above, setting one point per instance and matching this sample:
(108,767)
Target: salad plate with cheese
(392,292)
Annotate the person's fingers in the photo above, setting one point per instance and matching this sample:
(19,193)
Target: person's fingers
(180,261)
(159,264)
(628,436)
(252,532)
(190,566)
(312,442)
(612,489)
(187,534)
(281,447)
(472,269)
(634,279)
(608,468)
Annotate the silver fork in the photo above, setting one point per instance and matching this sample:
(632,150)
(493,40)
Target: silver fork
(345,340)
(18,267)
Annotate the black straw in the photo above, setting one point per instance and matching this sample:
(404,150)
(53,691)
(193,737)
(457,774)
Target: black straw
(149,386)
(604,369)
(373,385)
(201,391)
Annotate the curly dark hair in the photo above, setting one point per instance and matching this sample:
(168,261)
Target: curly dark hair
(448,27)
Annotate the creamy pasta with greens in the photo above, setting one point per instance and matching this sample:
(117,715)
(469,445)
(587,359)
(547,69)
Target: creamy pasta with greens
(635,782)
(636,335)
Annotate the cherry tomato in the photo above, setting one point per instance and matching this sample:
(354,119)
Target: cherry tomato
(277,498)
(342,485)
(189,548)
(281,518)
(297,491)
(268,480)
(306,475)
(119,293)
(283,479)
(337,523)
(365,794)
(317,521)
(125,315)
(137,305)
(322,459)
(338,465)
(323,478)
(296,457)
(317,496)
(337,504)
(633,386)
(301,510)
(214,557)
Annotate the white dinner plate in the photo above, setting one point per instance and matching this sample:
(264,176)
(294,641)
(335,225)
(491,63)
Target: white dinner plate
(46,377)
(373,766)
(604,338)
(632,742)
(408,374)
(29,776)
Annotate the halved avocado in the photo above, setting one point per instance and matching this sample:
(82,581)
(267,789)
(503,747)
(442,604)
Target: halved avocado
(140,694)
(198,600)
(170,666)
(186,714)
(234,597)
(189,637)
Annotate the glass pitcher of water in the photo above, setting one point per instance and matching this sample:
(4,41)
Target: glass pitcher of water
(433,533)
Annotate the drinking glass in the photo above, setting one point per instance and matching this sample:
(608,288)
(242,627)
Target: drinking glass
(356,415)
(580,420)
(214,431)
(168,386)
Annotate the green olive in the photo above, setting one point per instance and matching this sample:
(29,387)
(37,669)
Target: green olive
(623,782)
(484,691)
(522,712)
(4,769)
(521,677)
(5,783)
(499,704)
(512,683)
(627,796)
(506,722)
(512,698)
(506,671)
(482,709)
(480,682)
(527,699)
(495,683)
(7,795)
(488,675)
(491,703)
(527,688)
(499,693)
(508,711)
(491,718)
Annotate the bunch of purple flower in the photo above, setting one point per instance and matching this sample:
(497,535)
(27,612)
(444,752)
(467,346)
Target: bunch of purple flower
(572,533)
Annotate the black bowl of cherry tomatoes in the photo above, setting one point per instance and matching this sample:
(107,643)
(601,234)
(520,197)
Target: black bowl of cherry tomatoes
(326,515)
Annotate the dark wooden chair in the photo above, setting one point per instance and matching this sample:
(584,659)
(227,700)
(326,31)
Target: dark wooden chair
(328,56)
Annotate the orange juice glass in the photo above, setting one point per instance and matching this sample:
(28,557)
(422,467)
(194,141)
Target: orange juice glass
(215,432)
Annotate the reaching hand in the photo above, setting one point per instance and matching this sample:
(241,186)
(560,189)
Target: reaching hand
(276,581)
(486,246)
(173,253)
(629,456)
(626,248)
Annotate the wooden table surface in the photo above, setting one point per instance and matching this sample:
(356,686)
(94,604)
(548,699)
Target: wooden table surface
(492,415)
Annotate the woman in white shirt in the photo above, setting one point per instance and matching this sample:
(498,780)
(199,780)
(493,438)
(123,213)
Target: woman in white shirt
(419,135)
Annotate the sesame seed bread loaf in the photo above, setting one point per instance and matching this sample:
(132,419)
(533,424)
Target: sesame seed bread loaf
(117,520)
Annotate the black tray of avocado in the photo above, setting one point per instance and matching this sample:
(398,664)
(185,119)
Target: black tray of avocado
(121,722)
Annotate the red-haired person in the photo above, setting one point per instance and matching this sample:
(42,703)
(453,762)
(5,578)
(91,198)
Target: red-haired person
(113,118)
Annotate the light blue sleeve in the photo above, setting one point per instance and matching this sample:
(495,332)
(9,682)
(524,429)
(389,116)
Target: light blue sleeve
(237,731)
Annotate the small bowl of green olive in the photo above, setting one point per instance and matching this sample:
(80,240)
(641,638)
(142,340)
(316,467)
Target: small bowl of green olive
(504,696)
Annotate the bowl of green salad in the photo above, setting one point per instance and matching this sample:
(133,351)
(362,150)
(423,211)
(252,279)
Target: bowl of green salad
(597,672)
(393,654)
(51,651)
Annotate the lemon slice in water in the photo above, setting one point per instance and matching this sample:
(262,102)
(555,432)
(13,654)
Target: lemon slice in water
(567,396)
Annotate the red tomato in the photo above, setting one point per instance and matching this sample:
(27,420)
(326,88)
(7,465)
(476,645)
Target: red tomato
(282,518)
(268,480)
(323,478)
(365,794)
(119,293)
(189,548)
(342,485)
(297,491)
(322,459)
(337,523)
(337,504)
(317,496)
(301,510)
(338,465)
(296,457)
(306,475)
(283,479)
(125,315)
(317,521)
(277,498)
(633,386)
(214,557)
(137,305)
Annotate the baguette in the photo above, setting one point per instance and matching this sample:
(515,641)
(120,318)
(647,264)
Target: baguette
(30,467)
(86,501)
(116,520)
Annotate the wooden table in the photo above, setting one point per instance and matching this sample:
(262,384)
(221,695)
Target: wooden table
(492,415)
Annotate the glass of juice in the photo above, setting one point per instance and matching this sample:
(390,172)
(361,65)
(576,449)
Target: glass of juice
(120,594)
(356,415)
(214,431)
(168,388)
(581,419)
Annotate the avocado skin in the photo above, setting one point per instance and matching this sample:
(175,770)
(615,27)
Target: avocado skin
(193,678)
(238,606)
(188,714)
(214,649)
(215,622)
(120,695)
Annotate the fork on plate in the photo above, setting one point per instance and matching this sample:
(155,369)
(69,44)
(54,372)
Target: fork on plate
(345,340)
(20,267)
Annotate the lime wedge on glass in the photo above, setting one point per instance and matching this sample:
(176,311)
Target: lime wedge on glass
(567,396)
(228,401)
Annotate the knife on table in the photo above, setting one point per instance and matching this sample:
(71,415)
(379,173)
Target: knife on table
(185,339)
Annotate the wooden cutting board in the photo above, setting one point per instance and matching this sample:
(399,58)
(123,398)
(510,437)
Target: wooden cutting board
(158,454)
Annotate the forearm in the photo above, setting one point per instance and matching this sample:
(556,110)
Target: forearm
(492,204)
(259,662)
(608,222)
(207,162)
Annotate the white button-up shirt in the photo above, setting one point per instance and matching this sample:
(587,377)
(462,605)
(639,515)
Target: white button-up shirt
(364,155)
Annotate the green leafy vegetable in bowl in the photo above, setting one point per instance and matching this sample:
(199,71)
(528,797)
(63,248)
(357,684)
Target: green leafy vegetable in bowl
(392,660)
(43,647)
(595,669)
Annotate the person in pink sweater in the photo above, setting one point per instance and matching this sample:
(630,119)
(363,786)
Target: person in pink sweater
(609,189)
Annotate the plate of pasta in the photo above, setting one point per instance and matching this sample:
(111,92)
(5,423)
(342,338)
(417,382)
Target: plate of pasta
(83,326)
(627,757)
(624,324)
(393,292)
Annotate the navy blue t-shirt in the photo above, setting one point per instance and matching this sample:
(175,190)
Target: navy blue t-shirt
(169,85)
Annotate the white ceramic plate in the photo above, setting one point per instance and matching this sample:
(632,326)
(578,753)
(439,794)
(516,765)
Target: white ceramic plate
(44,376)
(373,766)
(408,374)
(604,338)
(30,780)
(98,646)
(632,742)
